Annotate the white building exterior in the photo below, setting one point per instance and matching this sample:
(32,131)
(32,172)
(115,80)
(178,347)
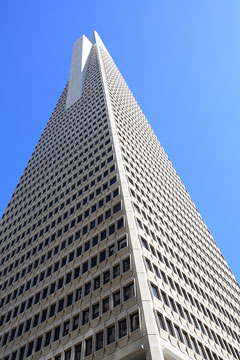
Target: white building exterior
(103,253)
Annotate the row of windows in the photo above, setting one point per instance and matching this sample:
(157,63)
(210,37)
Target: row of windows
(185,314)
(155,164)
(86,265)
(85,316)
(81,217)
(189,340)
(188,297)
(69,163)
(63,194)
(199,255)
(182,276)
(58,219)
(94,343)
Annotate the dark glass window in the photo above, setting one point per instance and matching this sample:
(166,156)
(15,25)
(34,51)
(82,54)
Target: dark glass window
(88,347)
(78,350)
(128,292)
(97,282)
(75,322)
(106,277)
(116,298)
(126,264)
(56,333)
(85,316)
(122,328)
(95,311)
(111,334)
(47,338)
(66,328)
(134,321)
(116,271)
(99,340)
(105,305)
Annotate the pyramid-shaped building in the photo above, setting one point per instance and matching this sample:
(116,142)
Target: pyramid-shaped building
(103,253)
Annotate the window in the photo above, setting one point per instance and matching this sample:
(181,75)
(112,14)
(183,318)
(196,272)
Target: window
(111,250)
(170,327)
(128,292)
(186,339)
(110,334)
(47,338)
(88,347)
(66,328)
(164,298)
(38,343)
(106,277)
(99,341)
(105,305)
(85,316)
(116,208)
(78,294)
(67,355)
(155,291)
(75,322)
(102,255)
(60,305)
(30,349)
(122,328)
(134,321)
(97,282)
(95,311)
(122,243)
(56,333)
(87,288)
(126,265)
(116,298)
(116,271)
(161,321)
(78,350)
(178,333)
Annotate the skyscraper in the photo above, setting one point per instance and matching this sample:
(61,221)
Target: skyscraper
(103,253)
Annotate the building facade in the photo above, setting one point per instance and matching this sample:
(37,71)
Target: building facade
(103,253)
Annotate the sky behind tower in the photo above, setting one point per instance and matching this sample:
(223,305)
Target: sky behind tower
(181,61)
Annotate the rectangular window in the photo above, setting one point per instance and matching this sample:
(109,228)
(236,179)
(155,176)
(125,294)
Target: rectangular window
(161,321)
(122,243)
(170,327)
(134,322)
(99,341)
(155,291)
(66,328)
(77,352)
(75,322)
(106,277)
(78,294)
(105,305)
(97,282)
(85,316)
(126,265)
(128,292)
(56,333)
(116,298)
(110,334)
(88,347)
(95,311)
(122,328)
(67,355)
(116,271)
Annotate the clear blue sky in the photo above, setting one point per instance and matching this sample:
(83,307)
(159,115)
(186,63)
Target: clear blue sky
(181,59)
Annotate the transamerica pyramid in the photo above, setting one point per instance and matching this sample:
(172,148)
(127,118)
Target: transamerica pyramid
(103,253)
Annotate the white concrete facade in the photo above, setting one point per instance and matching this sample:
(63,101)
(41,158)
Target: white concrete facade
(104,255)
